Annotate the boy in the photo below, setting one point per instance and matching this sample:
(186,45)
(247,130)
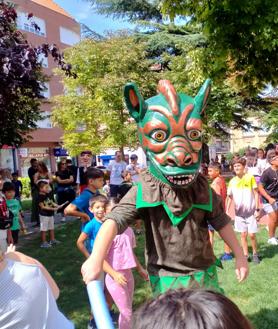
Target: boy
(47,208)
(243,191)
(268,188)
(18,185)
(6,221)
(219,186)
(80,206)
(89,232)
(14,207)
(126,185)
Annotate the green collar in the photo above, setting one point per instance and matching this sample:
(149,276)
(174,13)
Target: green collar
(141,203)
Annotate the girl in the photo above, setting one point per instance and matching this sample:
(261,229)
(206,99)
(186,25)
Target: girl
(122,258)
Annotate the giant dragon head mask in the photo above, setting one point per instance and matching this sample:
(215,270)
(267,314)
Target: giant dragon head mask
(170,130)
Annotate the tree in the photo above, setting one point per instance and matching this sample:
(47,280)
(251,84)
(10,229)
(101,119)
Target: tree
(184,55)
(92,112)
(243,34)
(21,79)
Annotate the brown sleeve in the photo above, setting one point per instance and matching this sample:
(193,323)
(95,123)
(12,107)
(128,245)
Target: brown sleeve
(125,213)
(217,217)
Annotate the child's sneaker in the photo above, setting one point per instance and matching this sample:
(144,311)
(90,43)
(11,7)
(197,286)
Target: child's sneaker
(46,245)
(273,241)
(226,257)
(53,242)
(256,259)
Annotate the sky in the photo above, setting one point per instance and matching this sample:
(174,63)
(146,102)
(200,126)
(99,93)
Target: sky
(83,12)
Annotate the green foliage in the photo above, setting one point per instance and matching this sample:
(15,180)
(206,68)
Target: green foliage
(26,190)
(92,112)
(242,34)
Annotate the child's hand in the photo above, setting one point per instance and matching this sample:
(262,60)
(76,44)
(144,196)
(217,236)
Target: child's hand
(242,270)
(11,248)
(144,274)
(119,278)
(85,218)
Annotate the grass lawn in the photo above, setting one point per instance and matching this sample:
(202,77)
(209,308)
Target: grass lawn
(257,297)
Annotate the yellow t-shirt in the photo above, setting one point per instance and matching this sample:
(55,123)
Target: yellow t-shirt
(242,192)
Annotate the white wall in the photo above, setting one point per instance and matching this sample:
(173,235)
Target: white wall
(68,37)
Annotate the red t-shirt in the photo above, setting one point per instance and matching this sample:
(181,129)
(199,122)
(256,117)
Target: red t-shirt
(219,186)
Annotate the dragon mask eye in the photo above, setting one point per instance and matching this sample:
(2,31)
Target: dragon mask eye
(194,134)
(159,135)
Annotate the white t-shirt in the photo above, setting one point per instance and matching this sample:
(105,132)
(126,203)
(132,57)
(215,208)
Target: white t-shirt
(116,169)
(27,301)
(131,170)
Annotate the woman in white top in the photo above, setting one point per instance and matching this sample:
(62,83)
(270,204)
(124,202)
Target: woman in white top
(28,295)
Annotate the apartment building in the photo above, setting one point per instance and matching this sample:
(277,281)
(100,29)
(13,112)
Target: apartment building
(56,26)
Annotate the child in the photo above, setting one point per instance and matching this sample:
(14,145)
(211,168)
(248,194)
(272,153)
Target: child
(86,161)
(89,233)
(47,208)
(126,185)
(122,258)
(14,207)
(190,308)
(219,186)
(80,206)
(18,185)
(6,220)
(243,191)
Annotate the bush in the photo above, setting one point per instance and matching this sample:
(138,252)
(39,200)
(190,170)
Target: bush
(26,191)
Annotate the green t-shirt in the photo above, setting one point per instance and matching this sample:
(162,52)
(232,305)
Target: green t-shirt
(15,207)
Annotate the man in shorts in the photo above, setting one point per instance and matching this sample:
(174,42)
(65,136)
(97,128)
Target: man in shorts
(268,189)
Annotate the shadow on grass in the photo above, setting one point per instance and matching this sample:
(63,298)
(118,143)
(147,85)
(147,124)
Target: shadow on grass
(268,251)
(264,319)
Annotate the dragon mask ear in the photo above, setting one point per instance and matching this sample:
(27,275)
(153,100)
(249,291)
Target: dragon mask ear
(134,102)
(201,99)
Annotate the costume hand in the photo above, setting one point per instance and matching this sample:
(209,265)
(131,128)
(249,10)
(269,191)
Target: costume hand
(120,278)
(11,248)
(242,269)
(271,201)
(90,271)
(144,274)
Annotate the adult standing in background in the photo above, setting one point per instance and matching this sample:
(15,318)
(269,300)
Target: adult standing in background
(115,168)
(134,168)
(86,162)
(34,192)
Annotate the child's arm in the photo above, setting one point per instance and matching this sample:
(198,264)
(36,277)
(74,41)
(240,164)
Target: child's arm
(71,210)
(142,272)
(21,222)
(91,269)
(117,276)
(265,194)
(44,207)
(257,202)
(81,246)
(9,237)
(228,235)
(228,202)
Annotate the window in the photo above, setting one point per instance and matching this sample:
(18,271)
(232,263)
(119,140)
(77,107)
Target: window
(45,122)
(46,92)
(69,37)
(23,23)
(43,60)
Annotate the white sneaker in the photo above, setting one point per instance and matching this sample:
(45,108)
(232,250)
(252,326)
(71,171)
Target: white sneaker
(273,241)
(63,219)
